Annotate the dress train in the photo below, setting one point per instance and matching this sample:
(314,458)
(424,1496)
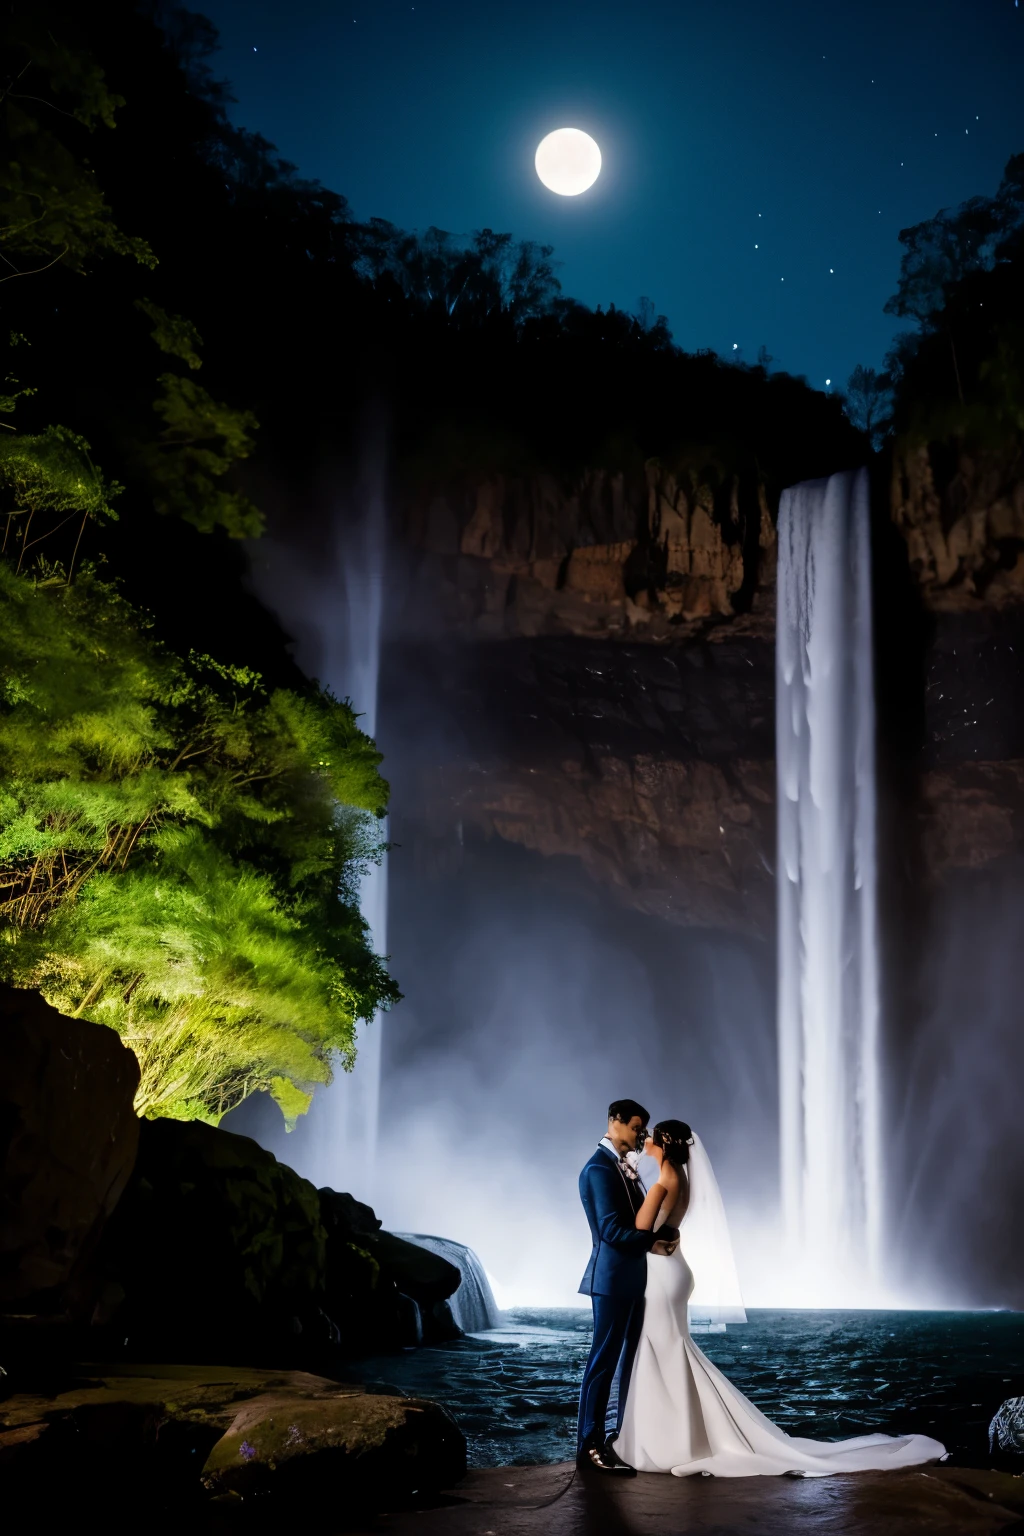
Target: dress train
(683,1416)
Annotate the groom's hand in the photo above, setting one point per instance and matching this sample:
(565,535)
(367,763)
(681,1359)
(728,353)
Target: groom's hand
(667,1243)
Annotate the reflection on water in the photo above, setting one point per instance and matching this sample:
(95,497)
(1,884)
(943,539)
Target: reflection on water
(823,1374)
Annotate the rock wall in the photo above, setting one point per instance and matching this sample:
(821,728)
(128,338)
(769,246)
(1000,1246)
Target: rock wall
(653,557)
(652,766)
(962,518)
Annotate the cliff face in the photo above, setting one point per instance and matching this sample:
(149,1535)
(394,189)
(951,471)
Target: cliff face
(653,767)
(646,557)
(598,659)
(962,519)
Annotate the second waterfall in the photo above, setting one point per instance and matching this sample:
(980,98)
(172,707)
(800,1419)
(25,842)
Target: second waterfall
(828,1004)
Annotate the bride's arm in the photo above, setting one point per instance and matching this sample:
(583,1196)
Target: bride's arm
(647,1215)
(664,1192)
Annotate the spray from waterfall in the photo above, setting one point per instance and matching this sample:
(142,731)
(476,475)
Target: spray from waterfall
(335,1144)
(828,1001)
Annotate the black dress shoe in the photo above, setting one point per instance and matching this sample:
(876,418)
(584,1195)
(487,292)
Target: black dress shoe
(612,1455)
(596,1455)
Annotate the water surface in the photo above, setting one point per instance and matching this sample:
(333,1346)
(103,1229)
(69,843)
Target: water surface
(828,1375)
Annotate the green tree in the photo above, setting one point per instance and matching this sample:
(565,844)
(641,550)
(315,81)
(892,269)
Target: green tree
(50,472)
(179,851)
(201,440)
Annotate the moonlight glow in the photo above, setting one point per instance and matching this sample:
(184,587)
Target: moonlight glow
(568,161)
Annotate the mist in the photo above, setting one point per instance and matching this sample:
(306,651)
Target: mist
(531,1003)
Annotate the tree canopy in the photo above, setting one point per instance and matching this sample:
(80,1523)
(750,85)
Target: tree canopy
(179,851)
(961,372)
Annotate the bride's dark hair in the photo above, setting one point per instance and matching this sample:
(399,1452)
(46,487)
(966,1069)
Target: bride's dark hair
(673,1137)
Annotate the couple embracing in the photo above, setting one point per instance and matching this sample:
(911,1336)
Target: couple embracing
(675,1410)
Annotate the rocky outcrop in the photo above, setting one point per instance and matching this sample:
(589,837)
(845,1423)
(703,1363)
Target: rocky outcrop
(218,1252)
(163,1434)
(385,1290)
(215,1245)
(68,1140)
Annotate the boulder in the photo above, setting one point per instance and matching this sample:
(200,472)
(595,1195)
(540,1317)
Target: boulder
(68,1141)
(346,1217)
(163,1433)
(1006,1436)
(216,1248)
(425,1276)
(351,1444)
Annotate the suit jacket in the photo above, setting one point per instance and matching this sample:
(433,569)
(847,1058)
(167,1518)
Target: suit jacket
(611,1200)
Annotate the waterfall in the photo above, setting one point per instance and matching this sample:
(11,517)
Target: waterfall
(828,1004)
(473,1306)
(337,1144)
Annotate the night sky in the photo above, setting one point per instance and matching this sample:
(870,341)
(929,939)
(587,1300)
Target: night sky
(759,160)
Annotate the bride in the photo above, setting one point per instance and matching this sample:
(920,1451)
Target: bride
(682,1415)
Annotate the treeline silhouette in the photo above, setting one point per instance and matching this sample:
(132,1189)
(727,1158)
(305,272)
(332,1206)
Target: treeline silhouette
(957,378)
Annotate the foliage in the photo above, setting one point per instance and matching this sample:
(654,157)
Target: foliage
(869,403)
(466,283)
(52,208)
(201,440)
(960,375)
(51,472)
(179,851)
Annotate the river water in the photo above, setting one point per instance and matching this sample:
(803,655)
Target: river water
(824,1374)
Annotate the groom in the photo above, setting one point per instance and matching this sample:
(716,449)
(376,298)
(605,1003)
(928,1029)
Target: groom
(615,1279)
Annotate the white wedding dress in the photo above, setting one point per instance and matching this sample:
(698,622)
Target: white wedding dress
(683,1416)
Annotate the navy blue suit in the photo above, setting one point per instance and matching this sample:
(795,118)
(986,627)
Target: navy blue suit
(615,1281)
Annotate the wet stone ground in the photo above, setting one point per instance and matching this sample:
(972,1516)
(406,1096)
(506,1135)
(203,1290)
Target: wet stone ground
(823,1374)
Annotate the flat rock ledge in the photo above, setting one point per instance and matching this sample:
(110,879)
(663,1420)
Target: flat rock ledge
(525,1501)
(235,1433)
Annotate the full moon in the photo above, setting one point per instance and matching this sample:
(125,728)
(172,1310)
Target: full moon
(568,161)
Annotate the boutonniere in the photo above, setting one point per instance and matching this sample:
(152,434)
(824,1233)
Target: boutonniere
(628,1169)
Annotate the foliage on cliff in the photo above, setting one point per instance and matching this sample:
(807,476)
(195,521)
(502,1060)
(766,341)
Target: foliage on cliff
(180,842)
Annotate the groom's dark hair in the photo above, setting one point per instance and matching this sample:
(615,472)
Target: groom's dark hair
(625,1109)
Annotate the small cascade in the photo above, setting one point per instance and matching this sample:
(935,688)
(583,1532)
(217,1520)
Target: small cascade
(473,1305)
(829,1084)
